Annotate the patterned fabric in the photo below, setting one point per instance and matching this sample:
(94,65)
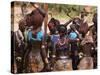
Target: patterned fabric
(72,35)
(35,60)
(63,65)
(62,47)
(54,38)
(86,63)
(39,36)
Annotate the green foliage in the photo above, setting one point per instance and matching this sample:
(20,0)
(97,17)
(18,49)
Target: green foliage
(60,10)
(73,10)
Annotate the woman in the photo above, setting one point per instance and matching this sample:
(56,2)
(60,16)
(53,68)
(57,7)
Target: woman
(63,61)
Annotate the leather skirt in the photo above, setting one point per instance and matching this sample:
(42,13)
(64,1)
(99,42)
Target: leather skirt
(63,64)
(35,60)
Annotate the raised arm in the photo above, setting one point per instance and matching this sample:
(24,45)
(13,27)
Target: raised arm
(66,24)
(39,9)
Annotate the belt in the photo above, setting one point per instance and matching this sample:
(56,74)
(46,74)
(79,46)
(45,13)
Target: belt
(63,57)
(86,55)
